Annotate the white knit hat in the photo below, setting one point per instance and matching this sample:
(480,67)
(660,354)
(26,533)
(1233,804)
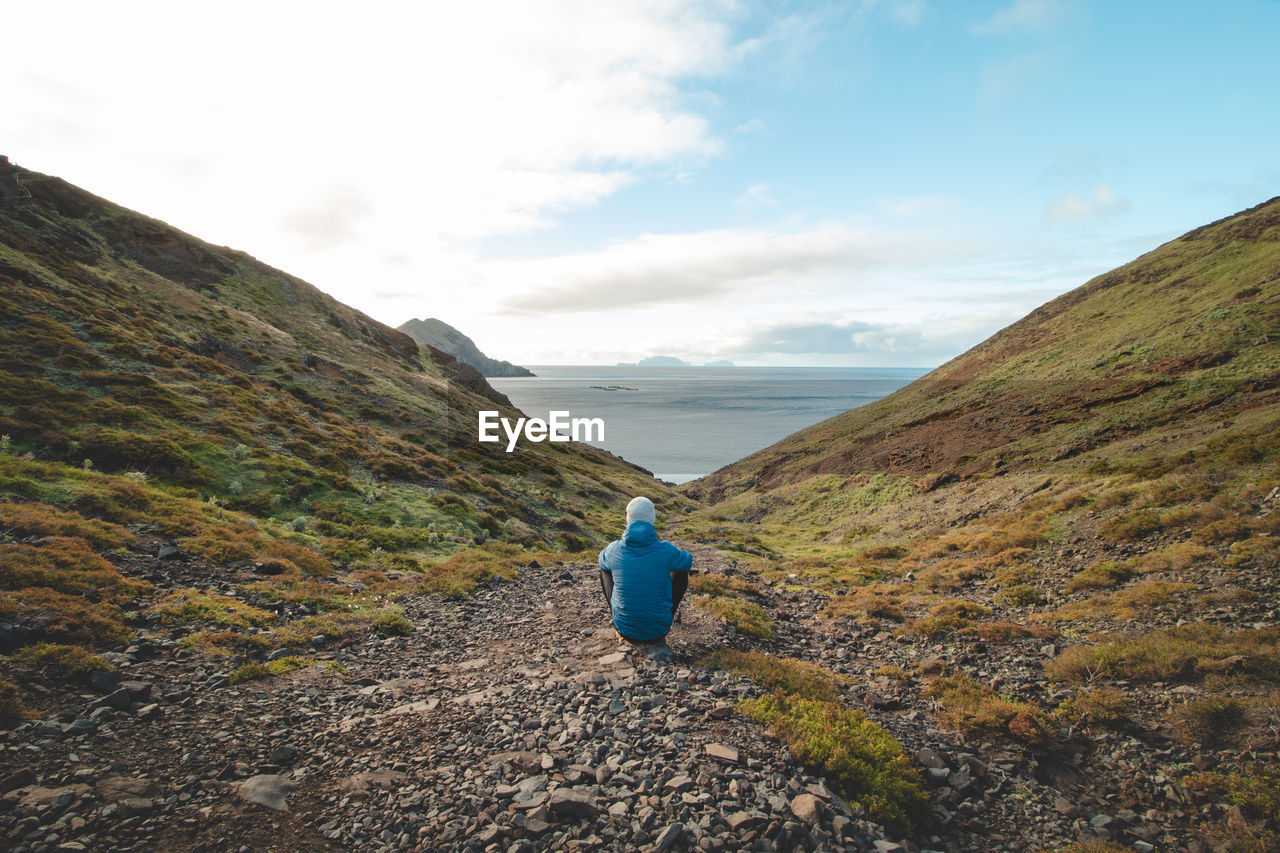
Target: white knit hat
(641,509)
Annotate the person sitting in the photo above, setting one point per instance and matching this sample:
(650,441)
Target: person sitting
(643,578)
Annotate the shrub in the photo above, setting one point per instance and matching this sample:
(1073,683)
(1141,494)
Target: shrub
(1183,652)
(1104,575)
(279,666)
(70,662)
(1226,530)
(947,616)
(68,618)
(863,762)
(12,711)
(974,707)
(1021,595)
(191,605)
(458,575)
(1104,707)
(391,621)
(1209,720)
(877,601)
(788,675)
(745,616)
(65,565)
(1130,526)
(37,519)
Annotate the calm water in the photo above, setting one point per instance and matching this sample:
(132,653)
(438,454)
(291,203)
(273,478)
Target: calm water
(684,422)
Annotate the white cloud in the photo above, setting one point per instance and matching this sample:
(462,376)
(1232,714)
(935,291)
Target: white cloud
(756,196)
(1022,17)
(751,126)
(684,269)
(452,122)
(1070,208)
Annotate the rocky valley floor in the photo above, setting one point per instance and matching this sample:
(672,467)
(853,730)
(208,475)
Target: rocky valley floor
(514,720)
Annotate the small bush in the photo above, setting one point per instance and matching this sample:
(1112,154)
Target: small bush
(1226,530)
(390,621)
(257,671)
(70,662)
(1105,575)
(12,711)
(1183,652)
(1021,595)
(974,707)
(877,601)
(747,617)
(191,605)
(947,616)
(1131,526)
(65,618)
(1209,720)
(35,519)
(1103,707)
(788,675)
(862,761)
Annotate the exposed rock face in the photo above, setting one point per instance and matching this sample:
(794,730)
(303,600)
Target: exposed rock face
(440,335)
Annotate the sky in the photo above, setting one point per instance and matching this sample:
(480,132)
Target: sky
(864,183)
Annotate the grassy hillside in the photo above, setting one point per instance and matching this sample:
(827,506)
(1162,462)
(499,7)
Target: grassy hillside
(1075,521)
(157,389)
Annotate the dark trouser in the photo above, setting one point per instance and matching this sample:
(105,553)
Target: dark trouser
(679,583)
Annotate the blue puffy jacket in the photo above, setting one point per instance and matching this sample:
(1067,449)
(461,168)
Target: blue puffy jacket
(641,565)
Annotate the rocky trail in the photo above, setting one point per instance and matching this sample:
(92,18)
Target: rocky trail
(514,720)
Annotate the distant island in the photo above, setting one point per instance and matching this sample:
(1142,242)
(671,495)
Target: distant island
(671,361)
(442,336)
(663,361)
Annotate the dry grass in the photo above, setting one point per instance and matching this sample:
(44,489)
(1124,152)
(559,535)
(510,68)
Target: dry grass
(786,675)
(972,707)
(1186,652)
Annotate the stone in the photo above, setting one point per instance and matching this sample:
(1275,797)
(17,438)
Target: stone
(134,807)
(283,755)
(21,779)
(119,699)
(883,845)
(139,691)
(268,790)
(679,784)
(113,789)
(742,820)
(612,659)
(721,752)
(669,837)
(571,802)
(807,808)
(929,758)
(67,794)
(105,681)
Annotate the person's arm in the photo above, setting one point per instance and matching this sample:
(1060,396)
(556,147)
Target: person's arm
(606,584)
(679,583)
(606,577)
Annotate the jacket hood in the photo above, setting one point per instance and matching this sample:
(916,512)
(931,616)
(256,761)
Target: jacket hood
(639,534)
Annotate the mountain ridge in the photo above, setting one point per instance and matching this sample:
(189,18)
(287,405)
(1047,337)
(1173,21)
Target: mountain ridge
(440,335)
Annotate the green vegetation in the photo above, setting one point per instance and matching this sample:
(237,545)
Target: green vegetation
(972,707)
(70,662)
(1185,652)
(719,595)
(861,761)
(12,711)
(785,675)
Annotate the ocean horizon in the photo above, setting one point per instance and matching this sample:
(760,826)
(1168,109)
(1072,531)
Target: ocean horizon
(682,423)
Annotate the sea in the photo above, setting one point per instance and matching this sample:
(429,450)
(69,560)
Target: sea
(682,423)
